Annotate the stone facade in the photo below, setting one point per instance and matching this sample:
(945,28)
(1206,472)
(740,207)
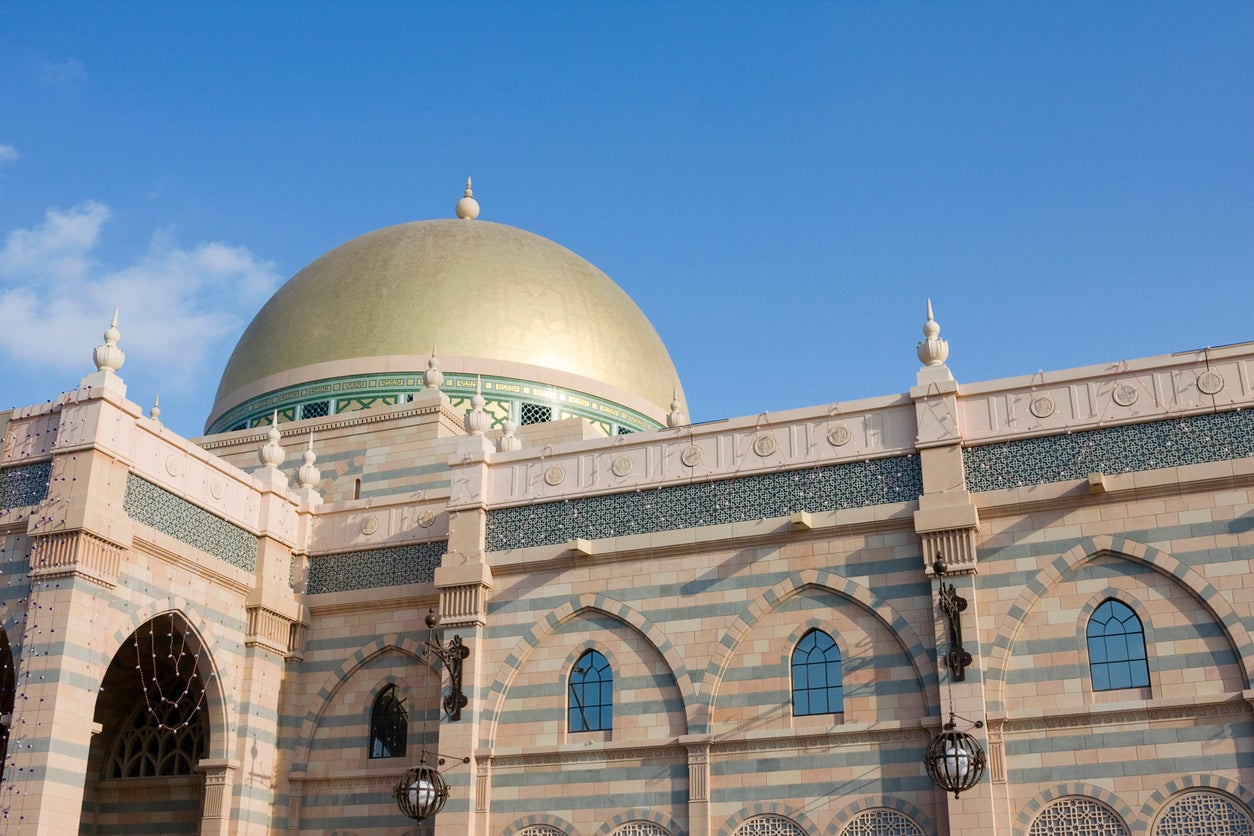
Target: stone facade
(265,620)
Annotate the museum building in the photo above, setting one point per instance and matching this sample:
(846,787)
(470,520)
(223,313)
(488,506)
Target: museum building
(451,559)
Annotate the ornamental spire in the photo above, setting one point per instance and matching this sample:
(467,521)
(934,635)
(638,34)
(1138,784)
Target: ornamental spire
(933,351)
(109,357)
(308,475)
(271,453)
(468,207)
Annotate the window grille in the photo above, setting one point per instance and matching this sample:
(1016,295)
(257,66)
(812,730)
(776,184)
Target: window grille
(534,413)
(1077,816)
(882,822)
(315,409)
(769,826)
(1204,812)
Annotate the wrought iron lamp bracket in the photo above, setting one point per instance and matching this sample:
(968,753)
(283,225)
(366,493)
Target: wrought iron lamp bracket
(952,605)
(452,656)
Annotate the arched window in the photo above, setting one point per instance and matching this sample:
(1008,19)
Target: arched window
(591,694)
(816,683)
(389,725)
(1207,812)
(882,822)
(1116,648)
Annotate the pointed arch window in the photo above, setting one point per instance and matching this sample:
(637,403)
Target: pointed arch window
(816,676)
(389,725)
(591,694)
(1116,639)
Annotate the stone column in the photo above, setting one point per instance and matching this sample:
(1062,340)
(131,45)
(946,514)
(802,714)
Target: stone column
(215,819)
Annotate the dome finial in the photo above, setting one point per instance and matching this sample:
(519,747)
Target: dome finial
(477,420)
(271,453)
(109,357)
(433,377)
(675,418)
(308,475)
(468,207)
(510,442)
(155,412)
(933,351)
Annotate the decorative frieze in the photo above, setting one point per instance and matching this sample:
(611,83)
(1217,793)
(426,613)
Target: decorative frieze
(159,509)
(956,545)
(371,568)
(832,487)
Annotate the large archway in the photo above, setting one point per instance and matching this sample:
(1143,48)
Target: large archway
(152,730)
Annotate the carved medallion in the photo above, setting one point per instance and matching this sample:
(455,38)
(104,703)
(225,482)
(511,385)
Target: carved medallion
(216,489)
(555,475)
(426,518)
(1042,407)
(621,466)
(691,456)
(764,445)
(1125,395)
(839,435)
(1210,383)
(172,465)
(369,525)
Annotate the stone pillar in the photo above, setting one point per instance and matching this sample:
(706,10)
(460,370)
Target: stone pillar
(77,538)
(271,612)
(947,523)
(698,786)
(464,581)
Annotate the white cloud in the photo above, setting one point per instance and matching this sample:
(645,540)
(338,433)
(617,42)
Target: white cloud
(8,154)
(178,304)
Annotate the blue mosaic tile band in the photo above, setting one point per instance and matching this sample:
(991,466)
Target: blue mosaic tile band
(24,485)
(855,485)
(1058,458)
(158,508)
(375,567)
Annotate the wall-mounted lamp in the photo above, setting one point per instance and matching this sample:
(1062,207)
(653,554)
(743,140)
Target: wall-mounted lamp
(452,656)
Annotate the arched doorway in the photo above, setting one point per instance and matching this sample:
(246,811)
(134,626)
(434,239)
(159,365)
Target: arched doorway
(153,729)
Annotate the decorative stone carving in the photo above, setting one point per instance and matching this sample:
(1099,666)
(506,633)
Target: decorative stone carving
(1125,395)
(691,456)
(764,445)
(1210,383)
(839,435)
(1042,407)
(555,476)
(621,466)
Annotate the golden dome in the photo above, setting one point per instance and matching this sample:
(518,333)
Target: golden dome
(489,298)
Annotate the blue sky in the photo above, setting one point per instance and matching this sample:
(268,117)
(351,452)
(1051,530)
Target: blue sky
(779,186)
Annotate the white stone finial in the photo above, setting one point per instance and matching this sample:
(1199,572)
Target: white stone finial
(271,453)
(433,377)
(675,418)
(933,351)
(308,475)
(510,441)
(155,412)
(109,357)
(477,421)
(468,207)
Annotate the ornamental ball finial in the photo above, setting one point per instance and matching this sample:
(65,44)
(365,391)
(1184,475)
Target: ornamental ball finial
(468,207)
(271,453)
(933,351)
(675,418)
(155,412)
(109,357)
(308,475)
(433,377)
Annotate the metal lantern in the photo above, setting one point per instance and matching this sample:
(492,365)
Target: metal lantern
(955,760)
(421,792)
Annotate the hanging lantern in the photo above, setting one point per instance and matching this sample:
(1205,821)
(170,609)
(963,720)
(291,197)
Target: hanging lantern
(955,760)
(421,792)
